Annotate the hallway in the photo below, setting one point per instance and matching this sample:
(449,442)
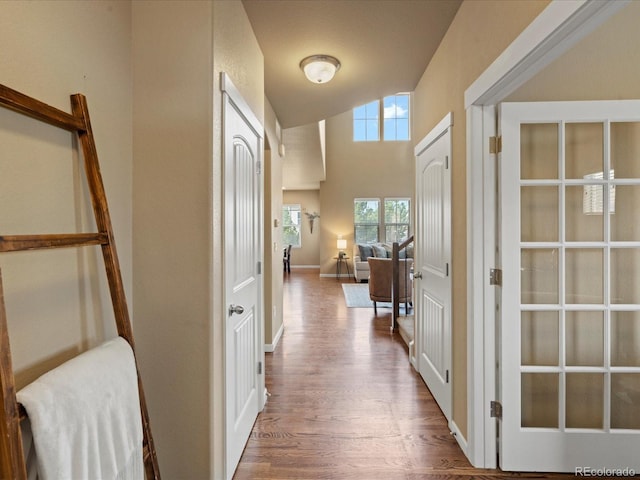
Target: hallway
(345,402)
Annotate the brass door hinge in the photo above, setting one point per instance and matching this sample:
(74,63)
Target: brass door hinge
(495,144)
(496,409)
(495,277)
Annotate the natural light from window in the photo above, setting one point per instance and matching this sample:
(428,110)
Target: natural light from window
(366,220)
(396,117)
(369,222)
(365,122)
(397,218)
(291,220)
(395,112)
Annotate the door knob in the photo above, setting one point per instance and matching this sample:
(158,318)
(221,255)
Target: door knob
(235,309)
(417,275)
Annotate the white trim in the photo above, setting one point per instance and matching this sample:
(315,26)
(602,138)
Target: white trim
(435,133)
(271,347)
(562,24)
(227,86)
(333,275)
(480,230)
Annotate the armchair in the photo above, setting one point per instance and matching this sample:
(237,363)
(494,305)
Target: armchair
(381,279)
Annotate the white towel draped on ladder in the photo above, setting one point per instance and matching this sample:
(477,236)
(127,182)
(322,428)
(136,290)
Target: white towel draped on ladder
(85,416)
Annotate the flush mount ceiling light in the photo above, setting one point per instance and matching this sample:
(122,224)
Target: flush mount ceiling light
(320,68)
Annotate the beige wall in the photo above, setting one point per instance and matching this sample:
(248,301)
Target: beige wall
(171,193)
(603,66)
(309,200)
(172,226)
(57,301)
(357,170)
(478,34)
(180,48)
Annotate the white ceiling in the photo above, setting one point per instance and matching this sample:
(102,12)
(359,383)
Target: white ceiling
(384,47)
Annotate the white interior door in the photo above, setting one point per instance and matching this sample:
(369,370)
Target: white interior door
(570,323)
(432,285)
(244,356)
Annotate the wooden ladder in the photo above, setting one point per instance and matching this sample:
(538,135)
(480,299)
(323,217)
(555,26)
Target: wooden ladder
(12,462)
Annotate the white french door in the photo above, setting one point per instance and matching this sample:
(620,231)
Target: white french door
(432,285)
(570,301)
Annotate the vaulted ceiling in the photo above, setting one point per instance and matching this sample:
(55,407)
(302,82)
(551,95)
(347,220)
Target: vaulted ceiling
(384,47)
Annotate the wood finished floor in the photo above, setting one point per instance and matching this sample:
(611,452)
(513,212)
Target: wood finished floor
(345,402)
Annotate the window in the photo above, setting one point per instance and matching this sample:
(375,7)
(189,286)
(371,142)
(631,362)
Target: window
(291,220)
(397,216)
(395,113)
(396,117)
(366,220)
(365,122)
(394,224)
(592,202)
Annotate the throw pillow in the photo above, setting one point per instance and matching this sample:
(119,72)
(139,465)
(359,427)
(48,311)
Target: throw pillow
(365,252)
(410,251)
(379,251)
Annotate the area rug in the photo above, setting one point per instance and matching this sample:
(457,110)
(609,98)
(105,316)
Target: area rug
(357,295)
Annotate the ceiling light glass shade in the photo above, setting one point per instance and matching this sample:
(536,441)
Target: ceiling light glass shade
(320,68)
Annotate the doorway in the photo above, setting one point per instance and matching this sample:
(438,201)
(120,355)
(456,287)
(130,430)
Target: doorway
(243,253)
(560,26)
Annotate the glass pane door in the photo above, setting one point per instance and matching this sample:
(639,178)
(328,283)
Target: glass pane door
(570,189)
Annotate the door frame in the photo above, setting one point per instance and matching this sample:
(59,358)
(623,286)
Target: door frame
(559,27)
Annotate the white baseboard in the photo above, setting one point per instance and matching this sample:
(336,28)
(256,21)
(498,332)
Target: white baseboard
(455,431)
(333,275)
(270,347)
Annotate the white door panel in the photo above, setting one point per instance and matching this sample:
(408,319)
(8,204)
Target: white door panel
(432,284)
(243,281)
(570,308)
(433,352)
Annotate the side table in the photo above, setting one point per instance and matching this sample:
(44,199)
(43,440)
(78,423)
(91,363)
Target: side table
(339,262)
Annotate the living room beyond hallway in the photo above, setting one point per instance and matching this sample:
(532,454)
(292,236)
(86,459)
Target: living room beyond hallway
(345,402)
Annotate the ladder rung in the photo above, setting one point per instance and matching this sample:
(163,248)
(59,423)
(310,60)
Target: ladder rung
(16,243)
(41,111)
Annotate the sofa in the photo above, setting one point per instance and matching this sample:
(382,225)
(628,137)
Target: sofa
(361,252)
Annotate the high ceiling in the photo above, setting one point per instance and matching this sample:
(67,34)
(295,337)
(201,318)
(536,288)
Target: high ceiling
(384,47)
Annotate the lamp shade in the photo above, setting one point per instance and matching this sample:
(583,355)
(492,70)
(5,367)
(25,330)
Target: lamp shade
(342,244)
(320,68)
